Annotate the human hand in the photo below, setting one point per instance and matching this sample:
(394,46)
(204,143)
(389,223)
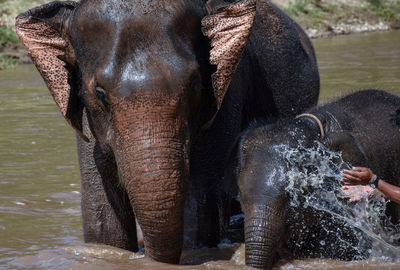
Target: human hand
(357,193)
(358,176)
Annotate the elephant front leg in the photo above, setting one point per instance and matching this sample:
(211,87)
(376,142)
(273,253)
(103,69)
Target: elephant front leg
(204,219)
(107,214)
(201,225)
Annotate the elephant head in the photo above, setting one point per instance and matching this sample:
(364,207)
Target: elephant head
(140,71)
(260,177)
(260,172)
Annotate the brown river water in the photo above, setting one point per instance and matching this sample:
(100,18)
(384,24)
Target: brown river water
(40,222)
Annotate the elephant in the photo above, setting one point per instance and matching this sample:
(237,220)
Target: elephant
(156,92)
(362,128)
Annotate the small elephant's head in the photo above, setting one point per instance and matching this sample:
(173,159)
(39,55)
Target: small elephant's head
(268,163)
(140,72)
(260,174)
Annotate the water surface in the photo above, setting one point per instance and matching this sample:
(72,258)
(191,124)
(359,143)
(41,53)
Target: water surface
(40,223)
(355,62)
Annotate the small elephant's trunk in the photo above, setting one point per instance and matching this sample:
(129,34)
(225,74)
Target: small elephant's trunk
(264,227)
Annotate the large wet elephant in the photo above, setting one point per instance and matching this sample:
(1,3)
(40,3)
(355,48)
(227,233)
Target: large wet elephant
(360,126)
(157,91)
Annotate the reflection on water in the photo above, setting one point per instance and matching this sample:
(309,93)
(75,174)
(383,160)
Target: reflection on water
(40,224)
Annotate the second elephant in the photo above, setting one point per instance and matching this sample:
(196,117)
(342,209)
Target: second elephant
(360,126)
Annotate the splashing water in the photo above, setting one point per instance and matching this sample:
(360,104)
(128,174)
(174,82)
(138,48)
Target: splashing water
(323,218)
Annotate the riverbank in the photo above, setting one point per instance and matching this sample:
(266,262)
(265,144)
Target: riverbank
(322,18)
(319,18)
(12,51)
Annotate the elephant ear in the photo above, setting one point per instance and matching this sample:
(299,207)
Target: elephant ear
(228,27)
(43,32)
(346,143)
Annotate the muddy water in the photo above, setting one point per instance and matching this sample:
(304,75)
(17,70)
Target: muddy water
(349,63)
(40,223)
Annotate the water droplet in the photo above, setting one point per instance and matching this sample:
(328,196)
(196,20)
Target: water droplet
(314,191)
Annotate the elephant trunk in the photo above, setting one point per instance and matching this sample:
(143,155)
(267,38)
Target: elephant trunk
(153,167)
(264,228)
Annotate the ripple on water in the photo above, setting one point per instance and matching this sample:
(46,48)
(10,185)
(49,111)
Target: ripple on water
(90,256)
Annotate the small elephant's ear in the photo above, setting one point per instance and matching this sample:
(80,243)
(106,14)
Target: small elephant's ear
(346,143)
(43,32)
(228,26)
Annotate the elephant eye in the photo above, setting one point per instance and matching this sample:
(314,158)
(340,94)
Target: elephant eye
(101,95)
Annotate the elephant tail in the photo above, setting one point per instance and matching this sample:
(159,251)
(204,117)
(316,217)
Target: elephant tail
(396,118)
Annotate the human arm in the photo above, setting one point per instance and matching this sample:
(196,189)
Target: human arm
(364,176)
